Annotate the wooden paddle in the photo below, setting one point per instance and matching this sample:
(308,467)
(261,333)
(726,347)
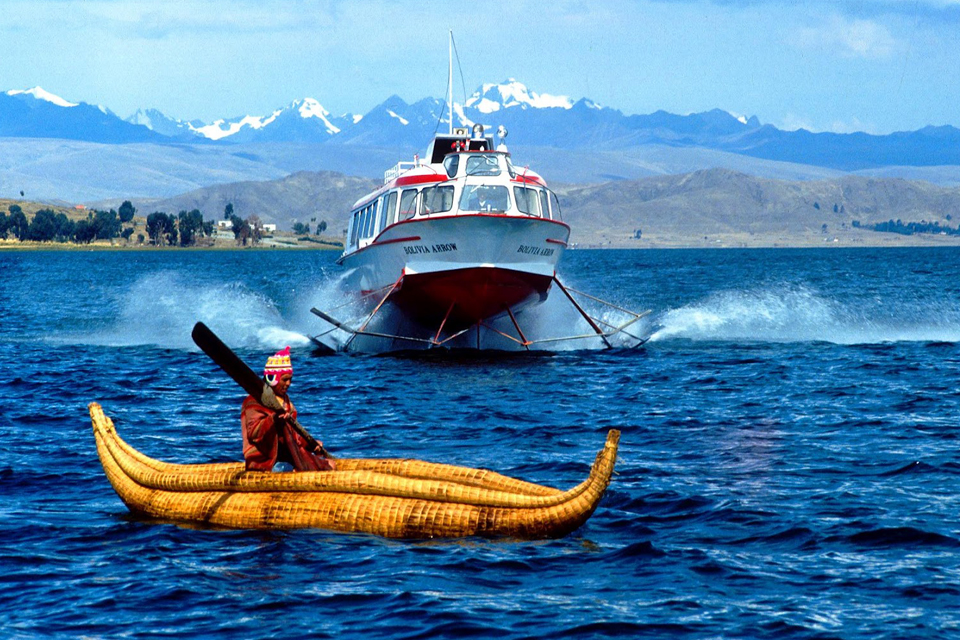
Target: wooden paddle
(243,375)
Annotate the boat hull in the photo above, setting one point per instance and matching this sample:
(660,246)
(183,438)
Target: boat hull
(463,297)
(462,268)
(390,498)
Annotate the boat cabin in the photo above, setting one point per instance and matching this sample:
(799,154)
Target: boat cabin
(464,175)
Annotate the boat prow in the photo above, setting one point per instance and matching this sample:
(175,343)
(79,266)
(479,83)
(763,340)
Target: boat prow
(394,498)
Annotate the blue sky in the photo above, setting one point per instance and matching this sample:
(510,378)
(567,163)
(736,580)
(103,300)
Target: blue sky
(873,65)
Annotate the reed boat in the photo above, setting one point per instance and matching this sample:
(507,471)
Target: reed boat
(394,498)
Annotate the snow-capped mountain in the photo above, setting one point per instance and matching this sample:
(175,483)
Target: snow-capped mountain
(163,124)
(534,120)
(40,94)
(36,113)
(301,121)
(491,98)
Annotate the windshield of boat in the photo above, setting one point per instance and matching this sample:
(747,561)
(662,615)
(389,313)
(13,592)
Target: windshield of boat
(483,165)
(437,200)
(484,197)
(451,163)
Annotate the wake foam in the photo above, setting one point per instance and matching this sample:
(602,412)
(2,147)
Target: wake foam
(161,308)
(801,315)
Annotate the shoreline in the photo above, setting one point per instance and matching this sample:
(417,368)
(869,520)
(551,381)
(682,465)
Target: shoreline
(848,238)
(29,245)
(645,246)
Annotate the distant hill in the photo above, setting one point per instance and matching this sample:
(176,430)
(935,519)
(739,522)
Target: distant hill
(306,196)
(720,205)
(697,208)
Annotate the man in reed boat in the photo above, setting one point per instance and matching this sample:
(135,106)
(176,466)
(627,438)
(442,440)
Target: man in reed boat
(268,437)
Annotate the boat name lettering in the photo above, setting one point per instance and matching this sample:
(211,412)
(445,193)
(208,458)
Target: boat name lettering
(535,251)
(437,248)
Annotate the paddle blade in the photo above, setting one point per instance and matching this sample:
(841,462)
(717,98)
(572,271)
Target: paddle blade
(227,360)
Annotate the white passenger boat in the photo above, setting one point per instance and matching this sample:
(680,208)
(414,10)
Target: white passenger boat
(451,243)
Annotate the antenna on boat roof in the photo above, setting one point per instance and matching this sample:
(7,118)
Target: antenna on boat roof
(452,52)
(450,82)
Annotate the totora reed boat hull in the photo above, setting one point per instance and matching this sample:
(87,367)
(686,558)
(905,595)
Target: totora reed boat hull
(387,497)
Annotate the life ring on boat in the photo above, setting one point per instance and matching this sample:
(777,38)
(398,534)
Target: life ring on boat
(457,145)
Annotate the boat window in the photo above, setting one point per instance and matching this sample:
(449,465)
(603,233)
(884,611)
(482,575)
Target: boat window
(451,163)
(408,204)
(390,211)
(544,204)
(527,201)
(364,222)
(374,207)
(352,232)
(555,204)
(371,214)
(485,197)
(382,207)
(437,200)
(483,166)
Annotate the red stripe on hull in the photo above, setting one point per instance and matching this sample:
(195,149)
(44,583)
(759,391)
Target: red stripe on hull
(476,293)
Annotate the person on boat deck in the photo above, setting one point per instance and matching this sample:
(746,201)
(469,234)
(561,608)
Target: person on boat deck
(268,437)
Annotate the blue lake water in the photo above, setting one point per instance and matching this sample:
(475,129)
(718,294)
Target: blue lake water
(789,462)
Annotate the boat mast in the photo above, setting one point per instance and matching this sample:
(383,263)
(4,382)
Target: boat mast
(450,82)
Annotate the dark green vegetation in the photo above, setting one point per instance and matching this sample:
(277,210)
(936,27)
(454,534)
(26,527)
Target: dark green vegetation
(160,229)
(49,225)
(911,228)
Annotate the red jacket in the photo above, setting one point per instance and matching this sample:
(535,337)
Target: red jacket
(268,440)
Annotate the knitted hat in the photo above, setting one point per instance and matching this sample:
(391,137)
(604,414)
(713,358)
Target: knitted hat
(277,365)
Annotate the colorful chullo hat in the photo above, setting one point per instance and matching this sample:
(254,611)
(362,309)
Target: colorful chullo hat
(277,365)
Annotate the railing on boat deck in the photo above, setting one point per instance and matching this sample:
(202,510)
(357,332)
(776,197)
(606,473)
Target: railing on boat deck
(401,167)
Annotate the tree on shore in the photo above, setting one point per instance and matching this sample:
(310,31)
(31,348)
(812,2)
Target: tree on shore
(190,225)
(43,227)
(17,223)
(256,229)
(126,211)
(4,223)
(48,226)
(162,228)
(301,228)
(84,232)
(107,224)
(241,230)
(65,228)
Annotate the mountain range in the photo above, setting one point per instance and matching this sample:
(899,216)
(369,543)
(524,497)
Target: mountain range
(535,121)
(300,162)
